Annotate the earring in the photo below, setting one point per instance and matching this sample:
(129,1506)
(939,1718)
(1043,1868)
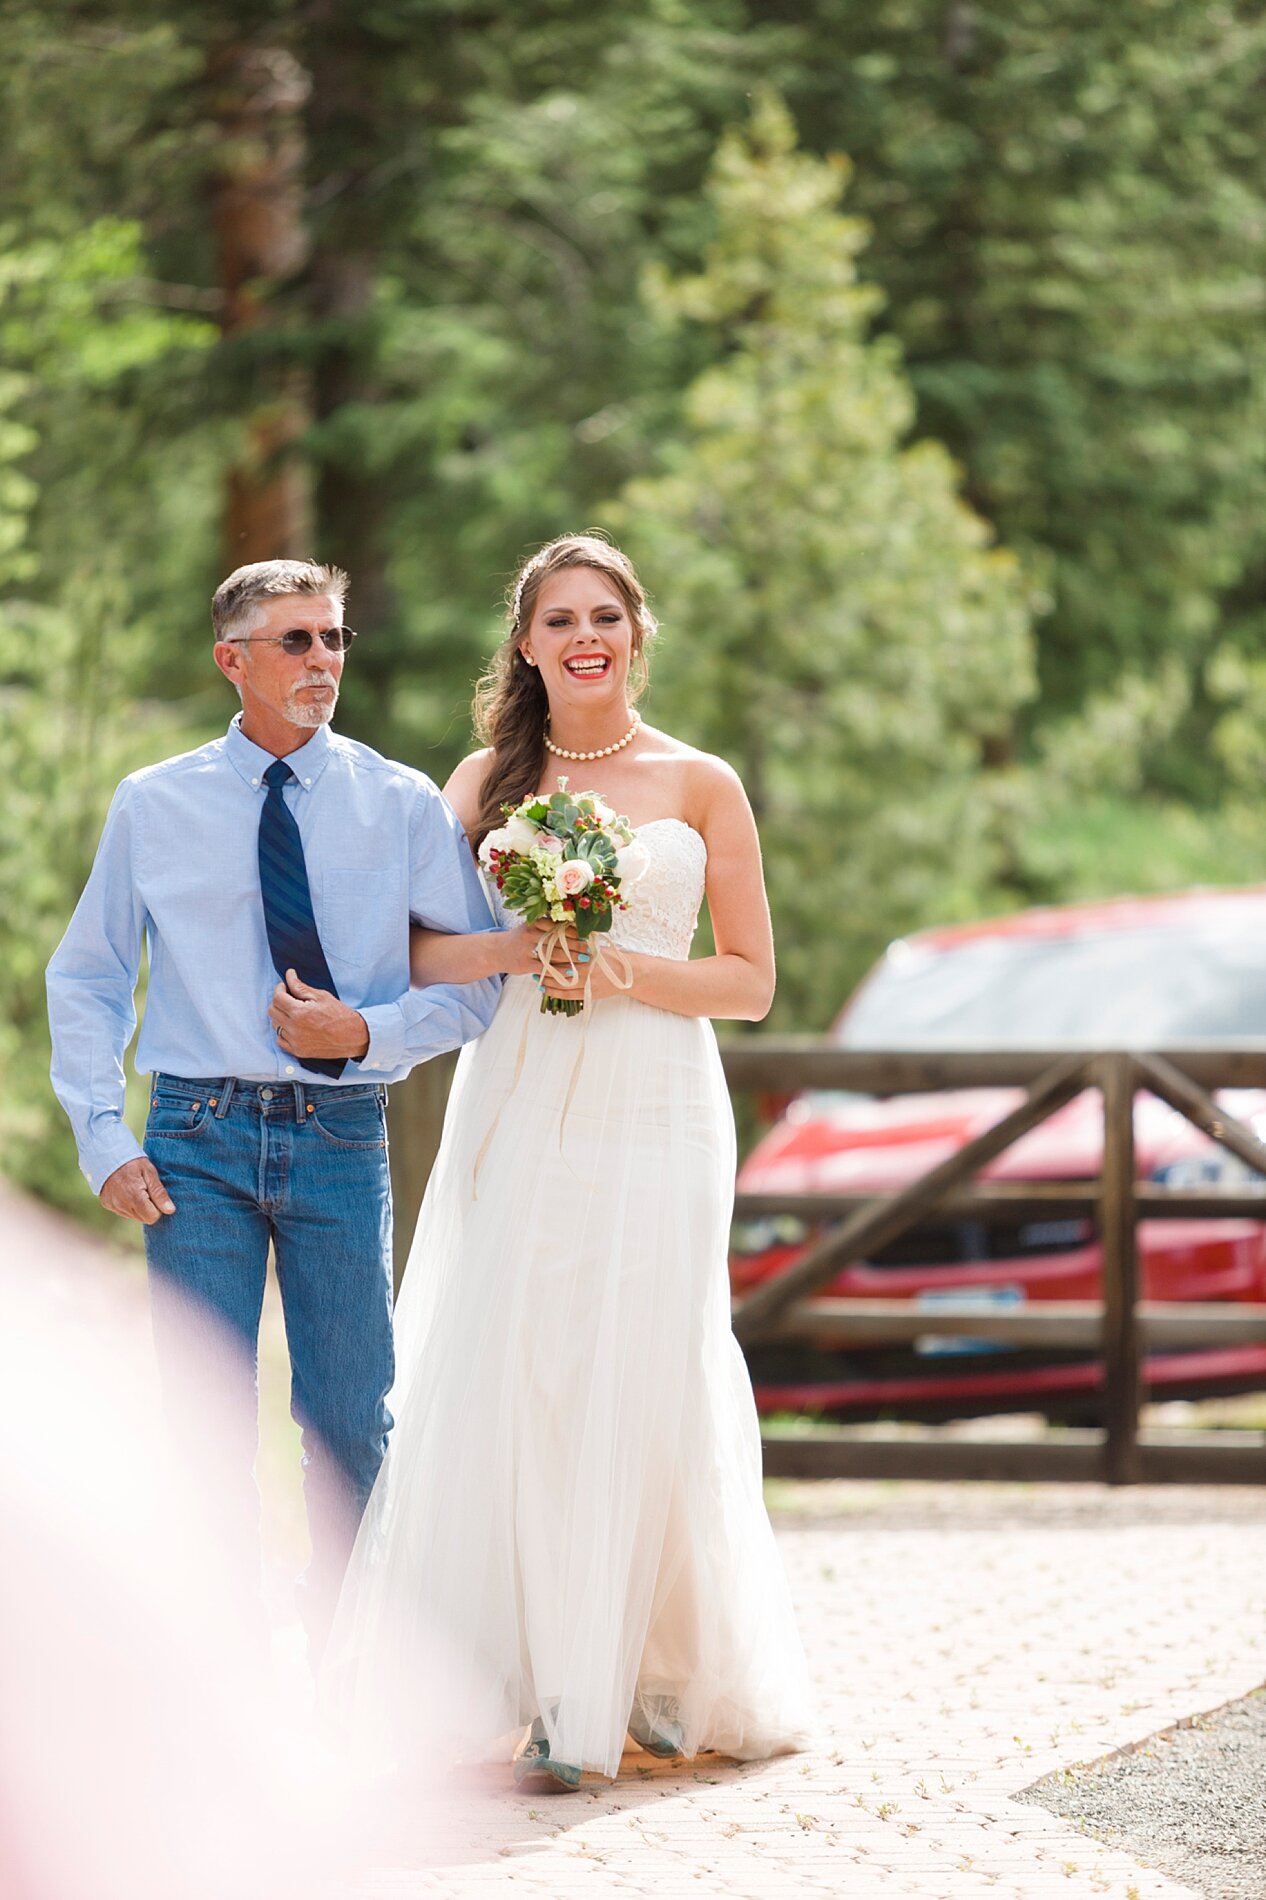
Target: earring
(528,658)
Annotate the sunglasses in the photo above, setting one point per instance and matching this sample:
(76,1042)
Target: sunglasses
(299,640)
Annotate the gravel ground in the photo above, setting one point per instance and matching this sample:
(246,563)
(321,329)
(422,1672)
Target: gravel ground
(1190,1802)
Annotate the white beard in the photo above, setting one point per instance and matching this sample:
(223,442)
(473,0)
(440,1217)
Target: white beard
(311,712)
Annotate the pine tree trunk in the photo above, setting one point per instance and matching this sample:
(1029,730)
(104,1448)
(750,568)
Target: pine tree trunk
(258,94)
(352,505)
(354,142)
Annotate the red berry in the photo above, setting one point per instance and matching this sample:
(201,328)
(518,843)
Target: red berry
(584,903)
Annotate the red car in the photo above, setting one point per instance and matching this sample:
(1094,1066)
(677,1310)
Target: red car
(1142,973)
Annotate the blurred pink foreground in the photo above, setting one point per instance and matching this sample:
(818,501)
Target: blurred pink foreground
(145,1750)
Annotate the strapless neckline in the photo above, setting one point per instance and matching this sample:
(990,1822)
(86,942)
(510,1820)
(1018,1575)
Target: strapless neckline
(684,824)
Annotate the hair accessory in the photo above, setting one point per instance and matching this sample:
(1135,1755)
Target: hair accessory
(538,560)
(561,752)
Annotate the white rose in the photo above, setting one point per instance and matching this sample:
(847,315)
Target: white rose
(573,876)
(632,863)
(522,834)
(495,841)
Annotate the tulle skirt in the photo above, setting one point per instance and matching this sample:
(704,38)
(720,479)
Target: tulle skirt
(572,1498)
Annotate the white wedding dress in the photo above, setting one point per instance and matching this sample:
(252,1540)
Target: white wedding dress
(571,1497)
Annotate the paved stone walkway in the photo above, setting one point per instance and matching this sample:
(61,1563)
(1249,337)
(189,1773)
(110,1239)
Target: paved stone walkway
(966,1641)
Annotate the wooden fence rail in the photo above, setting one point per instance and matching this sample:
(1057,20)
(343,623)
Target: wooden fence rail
(1120,1327)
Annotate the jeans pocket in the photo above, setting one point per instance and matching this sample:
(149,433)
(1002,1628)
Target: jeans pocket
(175,1117)
(354,1121)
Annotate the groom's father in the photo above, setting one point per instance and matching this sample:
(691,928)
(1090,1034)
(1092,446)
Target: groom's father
(273,874)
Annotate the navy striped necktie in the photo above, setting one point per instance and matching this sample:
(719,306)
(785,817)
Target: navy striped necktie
(288,914)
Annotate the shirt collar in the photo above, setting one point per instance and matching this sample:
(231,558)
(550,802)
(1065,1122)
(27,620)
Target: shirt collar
(251,761)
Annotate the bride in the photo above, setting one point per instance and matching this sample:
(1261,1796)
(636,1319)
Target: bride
(572,1493)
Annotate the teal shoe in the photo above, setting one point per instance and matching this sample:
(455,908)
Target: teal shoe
(665,1740)
(535,1773)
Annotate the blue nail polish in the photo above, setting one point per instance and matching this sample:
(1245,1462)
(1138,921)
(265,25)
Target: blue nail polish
(582,958)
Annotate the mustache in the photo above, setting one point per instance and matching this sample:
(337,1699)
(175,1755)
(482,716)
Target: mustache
(316,679)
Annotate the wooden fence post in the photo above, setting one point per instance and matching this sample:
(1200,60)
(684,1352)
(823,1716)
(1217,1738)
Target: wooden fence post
(1122,1381)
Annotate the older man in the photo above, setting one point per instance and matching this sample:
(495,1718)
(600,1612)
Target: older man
(273,874)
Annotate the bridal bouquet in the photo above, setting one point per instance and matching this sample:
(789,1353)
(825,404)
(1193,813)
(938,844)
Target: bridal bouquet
(567,858)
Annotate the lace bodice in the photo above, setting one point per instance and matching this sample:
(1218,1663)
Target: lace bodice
(664,903)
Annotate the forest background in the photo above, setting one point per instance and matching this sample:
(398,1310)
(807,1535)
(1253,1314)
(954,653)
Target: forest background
(913,348)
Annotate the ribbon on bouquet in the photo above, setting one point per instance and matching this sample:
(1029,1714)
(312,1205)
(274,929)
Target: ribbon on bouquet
(607,957)
(614,965)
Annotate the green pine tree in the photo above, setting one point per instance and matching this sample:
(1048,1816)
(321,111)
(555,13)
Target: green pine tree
(838,622)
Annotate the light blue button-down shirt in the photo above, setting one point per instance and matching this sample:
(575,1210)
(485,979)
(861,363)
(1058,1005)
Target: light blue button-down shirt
(177,866)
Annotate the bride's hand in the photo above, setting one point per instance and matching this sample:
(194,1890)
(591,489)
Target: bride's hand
(587,966)
(518,949)
(567,952)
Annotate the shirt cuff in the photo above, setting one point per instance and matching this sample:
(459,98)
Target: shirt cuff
(108,1152)
(386,1025)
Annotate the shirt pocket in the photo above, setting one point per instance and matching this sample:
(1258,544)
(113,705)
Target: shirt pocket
(351,912)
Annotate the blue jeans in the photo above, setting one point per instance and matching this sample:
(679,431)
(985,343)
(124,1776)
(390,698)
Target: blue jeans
(304,1166)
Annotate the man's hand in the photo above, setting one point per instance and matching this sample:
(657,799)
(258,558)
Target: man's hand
(136,1192)
(313,1023)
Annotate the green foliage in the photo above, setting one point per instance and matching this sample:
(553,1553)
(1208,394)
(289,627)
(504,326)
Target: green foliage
(840,625)
(1067,201)
(1236,684)
(79,657)
(69,729)
(1101,844)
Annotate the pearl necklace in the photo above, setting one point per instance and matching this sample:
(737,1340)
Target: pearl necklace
(561,752)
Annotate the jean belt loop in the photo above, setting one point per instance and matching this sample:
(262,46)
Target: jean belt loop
(225,1092)
(301,1101)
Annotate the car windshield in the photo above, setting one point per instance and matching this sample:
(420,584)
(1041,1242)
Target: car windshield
(1153,986)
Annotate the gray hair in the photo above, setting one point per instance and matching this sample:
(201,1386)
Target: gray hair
(235,600)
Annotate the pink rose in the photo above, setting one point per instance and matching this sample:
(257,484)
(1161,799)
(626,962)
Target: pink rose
(548,842)
(572,877)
